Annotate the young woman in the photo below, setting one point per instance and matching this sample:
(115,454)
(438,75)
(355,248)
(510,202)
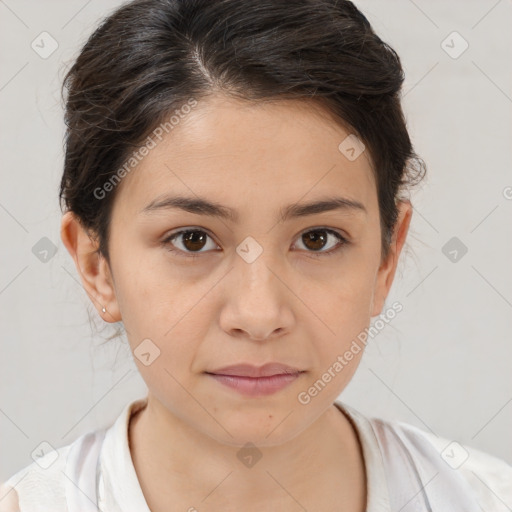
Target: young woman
(235,190)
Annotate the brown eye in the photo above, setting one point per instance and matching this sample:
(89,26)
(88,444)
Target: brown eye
(315,240)
(194,240)
(191,241)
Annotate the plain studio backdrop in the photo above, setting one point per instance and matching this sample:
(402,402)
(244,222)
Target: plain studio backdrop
(442,364)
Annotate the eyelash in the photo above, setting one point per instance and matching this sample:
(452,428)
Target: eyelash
(168,245)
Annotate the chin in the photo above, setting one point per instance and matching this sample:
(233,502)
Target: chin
(263,427)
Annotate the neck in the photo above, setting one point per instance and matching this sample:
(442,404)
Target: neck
(176,463)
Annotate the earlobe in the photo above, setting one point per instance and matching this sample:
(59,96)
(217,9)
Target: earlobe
(92,267)
(387,269)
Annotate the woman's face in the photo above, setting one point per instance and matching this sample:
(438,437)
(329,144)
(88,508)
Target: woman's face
(262,283)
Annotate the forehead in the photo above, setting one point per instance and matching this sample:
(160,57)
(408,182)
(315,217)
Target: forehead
(246,154)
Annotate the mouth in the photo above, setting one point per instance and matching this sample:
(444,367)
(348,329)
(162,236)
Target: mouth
(250,380)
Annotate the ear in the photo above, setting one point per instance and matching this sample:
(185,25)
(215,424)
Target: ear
(387,269)
(93,268)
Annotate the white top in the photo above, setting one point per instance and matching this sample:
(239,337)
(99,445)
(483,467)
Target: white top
(407,470)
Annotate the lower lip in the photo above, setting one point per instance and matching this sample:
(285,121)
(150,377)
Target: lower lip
(256,386)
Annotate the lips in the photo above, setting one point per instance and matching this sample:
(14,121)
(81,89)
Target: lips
(248,370)
(256,381)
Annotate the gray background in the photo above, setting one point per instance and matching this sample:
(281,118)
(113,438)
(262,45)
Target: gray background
(443,364)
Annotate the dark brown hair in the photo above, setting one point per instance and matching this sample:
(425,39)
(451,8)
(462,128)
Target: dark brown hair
(150,57)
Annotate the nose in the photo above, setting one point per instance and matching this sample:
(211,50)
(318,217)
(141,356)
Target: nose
(257,302)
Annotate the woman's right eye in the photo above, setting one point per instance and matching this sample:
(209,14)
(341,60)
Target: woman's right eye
(191,241)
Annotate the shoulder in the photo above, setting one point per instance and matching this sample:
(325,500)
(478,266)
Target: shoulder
(40,481)
(488,479)
(43,485)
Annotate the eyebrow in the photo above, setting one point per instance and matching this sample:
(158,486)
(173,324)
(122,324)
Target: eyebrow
(202,206)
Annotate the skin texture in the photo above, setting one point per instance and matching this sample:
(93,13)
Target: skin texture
(8,499)
(290,305)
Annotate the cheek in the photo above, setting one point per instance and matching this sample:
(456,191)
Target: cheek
(166,315)
(164,340)
(338,343)
(344,295)
(342,306)
(151,292)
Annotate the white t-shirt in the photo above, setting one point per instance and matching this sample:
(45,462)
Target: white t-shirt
(407,470)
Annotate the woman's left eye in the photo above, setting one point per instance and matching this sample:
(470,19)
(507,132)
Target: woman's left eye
(317,238)
(192,242)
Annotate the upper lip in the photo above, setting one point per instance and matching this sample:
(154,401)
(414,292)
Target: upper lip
(249,370)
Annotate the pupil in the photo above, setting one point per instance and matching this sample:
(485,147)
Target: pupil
(313,236)
(194,240)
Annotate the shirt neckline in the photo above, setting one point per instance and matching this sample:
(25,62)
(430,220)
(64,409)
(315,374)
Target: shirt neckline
(377,492)
(119,487)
